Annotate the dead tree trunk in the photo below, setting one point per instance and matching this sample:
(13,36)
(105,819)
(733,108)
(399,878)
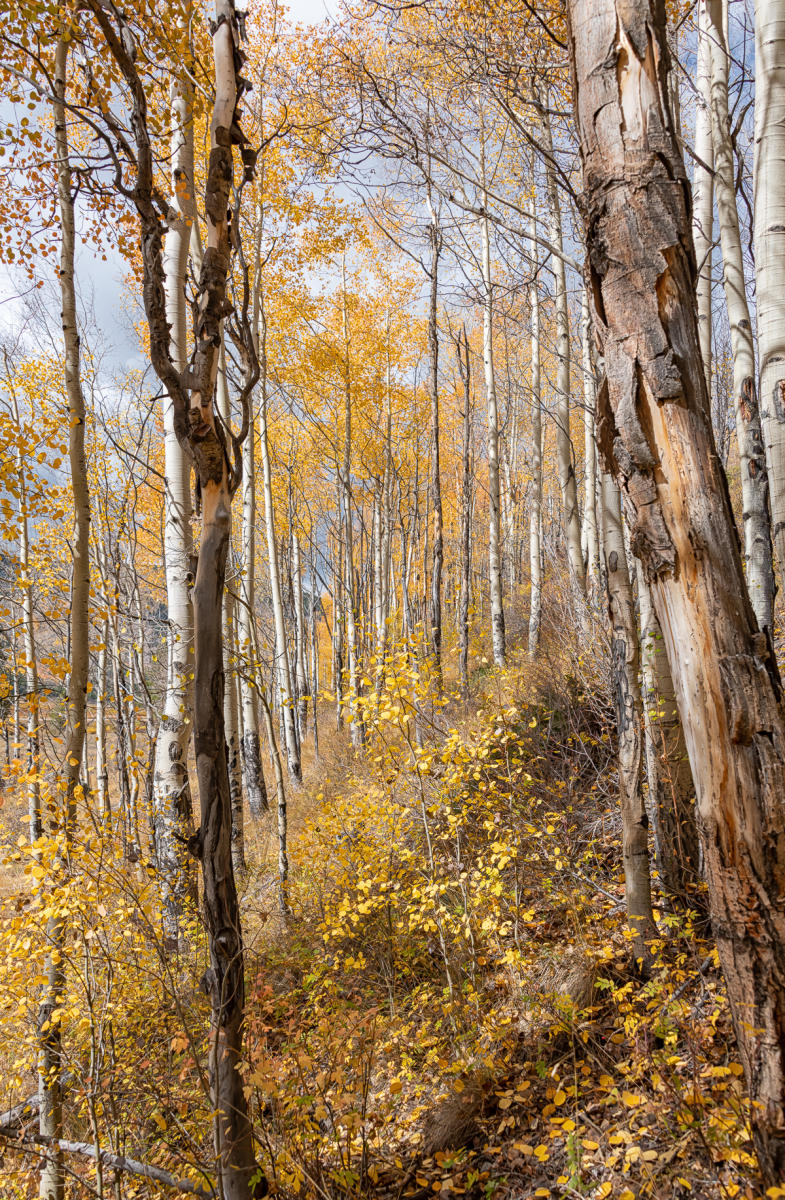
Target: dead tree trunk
(656,434)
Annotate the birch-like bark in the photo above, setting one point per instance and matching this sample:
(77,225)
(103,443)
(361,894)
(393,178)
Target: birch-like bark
(769,231)
(465,371)
(752,461)
(535,515)
(564,448)
(101,756)
(172,801)
(299,635)
(703,191)
(494,497)
(655,432)
(50,1059)
(283,675)
(349,589)
(437,547)
(629,724)
(29,643)
(253,773)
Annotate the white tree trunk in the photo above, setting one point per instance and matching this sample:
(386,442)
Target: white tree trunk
(769,211)
(494,497)
(282,670)
(754,485)
(703,191)
(172,802)
(50,1056)
(564,451)
(300,651)
(535,515)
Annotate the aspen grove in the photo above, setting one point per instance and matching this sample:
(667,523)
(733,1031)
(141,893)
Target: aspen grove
(392,543)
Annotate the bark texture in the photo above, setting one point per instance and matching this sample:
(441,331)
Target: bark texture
(655,431)
(769,231)
(50,1064)
(752,462)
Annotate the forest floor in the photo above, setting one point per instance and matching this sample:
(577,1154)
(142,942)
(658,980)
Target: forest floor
(451,1005)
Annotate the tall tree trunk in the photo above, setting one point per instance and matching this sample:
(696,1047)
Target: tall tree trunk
(535,515)
(349,589)
(703,191)
(172,801)
(656,433)
(629,724)
(282,668)
(494,496)
(253,774)
(465,370)
(31,660)
(437,548)
(300,650)
(769,231)
(752,462)
(231,707)
(589,454)
(50,1061)
(101,756)
(564,448)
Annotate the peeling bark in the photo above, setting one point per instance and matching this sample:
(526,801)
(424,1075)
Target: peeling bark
(655,432)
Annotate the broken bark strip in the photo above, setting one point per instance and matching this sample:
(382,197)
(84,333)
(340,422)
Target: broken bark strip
(117,1162)
(656,436)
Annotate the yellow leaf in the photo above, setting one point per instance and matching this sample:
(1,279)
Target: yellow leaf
(631,1100)
(559,1098)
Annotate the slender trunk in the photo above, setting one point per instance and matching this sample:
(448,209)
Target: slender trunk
(31,659)
(465,369)
(703,191)
(656,434)
(300,651)
(769,232)
(494,499)
(564,448)
(629,722)
(172,800)
(280,791)
(282,668)
(535,516)
(590,455)
(101,756)
(350,599)
(50,1064)
(437,547)
(752,462)
(253,774)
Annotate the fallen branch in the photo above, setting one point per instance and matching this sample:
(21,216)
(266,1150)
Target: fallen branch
(117,1161)
(14,1117)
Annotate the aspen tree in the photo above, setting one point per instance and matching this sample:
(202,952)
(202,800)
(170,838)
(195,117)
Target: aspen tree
(703,190)
(535,513)
(564,446)
(172,802)
(50,1061)
(754,483)
(494,496)
(769,235)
